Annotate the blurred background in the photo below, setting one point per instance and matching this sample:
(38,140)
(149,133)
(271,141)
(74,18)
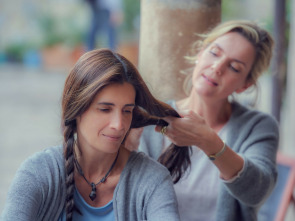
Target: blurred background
(38,33)
(40,40)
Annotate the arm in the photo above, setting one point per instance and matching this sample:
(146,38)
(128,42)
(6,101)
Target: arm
(162,203)
(192,130)
(258,147)
(24,196)
(256,142)
(37,191)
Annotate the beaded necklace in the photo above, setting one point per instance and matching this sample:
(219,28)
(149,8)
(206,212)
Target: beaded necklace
(92,194)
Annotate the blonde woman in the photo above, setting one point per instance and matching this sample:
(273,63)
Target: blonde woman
(233,166)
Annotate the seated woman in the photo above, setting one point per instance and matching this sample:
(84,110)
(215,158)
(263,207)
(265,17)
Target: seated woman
(92,176)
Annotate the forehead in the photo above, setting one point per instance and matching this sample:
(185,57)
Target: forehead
(236,46)
(120,93)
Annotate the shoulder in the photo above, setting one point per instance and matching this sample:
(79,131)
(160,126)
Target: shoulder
(141,168)
(246,116)
(45,171)
(44,165)
(248,128)
(142,176)
(147,187)
(49,157)
(144,162)
(38,186)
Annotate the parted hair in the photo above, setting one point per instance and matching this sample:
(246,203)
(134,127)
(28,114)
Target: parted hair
(92,72)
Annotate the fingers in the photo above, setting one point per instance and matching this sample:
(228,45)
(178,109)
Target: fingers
(185,130)
(177,124)
(163,130)
(158,128)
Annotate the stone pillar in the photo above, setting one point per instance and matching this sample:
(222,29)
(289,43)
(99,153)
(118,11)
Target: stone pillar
(167,31)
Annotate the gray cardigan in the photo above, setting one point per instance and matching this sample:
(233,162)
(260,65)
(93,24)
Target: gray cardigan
(255,136)
(144,192)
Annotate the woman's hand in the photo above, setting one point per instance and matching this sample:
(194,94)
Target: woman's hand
(191,129)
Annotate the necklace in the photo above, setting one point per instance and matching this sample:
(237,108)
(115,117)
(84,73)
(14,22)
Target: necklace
(92,194)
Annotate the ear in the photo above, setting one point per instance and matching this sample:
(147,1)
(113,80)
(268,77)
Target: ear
(245,87)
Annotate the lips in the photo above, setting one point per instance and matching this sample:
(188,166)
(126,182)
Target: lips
(211,81)
(113,137)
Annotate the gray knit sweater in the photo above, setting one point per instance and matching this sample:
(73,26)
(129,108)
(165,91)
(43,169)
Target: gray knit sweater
(144,192)
(255,136)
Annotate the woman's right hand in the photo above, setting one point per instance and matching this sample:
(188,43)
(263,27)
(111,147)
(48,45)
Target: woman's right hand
(192,130)
(189,130)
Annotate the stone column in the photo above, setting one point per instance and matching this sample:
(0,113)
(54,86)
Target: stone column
(168,30)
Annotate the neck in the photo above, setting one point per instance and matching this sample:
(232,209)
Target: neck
(96,165)
(215,113)
(90,182)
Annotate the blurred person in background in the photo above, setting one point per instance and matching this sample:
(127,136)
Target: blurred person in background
(106,16)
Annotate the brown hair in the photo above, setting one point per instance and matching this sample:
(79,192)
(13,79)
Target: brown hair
(92,72)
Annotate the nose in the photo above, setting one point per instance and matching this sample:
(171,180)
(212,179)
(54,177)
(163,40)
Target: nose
(218,66)
(117,121)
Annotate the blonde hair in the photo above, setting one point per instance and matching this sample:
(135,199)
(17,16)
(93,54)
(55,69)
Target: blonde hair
(259,37)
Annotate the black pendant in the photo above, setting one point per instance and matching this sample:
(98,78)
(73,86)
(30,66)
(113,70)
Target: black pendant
(92,195)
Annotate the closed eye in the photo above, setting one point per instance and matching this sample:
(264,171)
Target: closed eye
(215,50)
(128,111)
(104,109)
(213,53)
(234,69)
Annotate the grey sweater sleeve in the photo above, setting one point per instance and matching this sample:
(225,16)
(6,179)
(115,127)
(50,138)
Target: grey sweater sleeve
(36,190)
(24,196)
(162,203)
(145,192)
(255,137)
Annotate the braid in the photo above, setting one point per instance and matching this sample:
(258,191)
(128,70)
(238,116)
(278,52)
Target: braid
(69,166)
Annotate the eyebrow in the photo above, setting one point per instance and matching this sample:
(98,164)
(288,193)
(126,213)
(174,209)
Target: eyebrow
(111,104)
(236,60)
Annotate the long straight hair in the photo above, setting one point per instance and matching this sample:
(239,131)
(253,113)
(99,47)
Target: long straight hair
(92,72)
